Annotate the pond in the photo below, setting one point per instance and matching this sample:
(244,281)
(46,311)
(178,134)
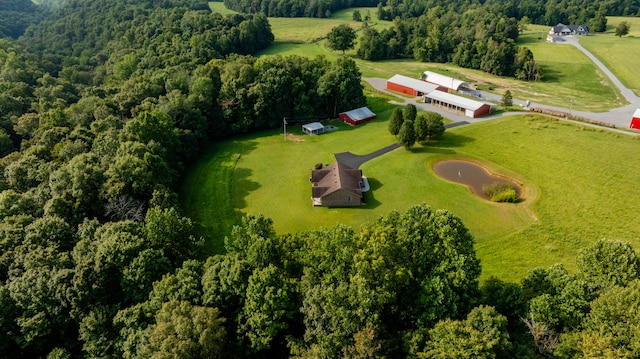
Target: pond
(470,174)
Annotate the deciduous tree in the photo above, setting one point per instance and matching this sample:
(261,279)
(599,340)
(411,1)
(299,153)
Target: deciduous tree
(341,37)
(622,29)
(407,134)
(482,335)
(395,123)
(183,330)
(507,99)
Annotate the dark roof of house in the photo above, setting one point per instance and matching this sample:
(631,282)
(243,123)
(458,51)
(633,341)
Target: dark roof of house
(334,177)
(560,27)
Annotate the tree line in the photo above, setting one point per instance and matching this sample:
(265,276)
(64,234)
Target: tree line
(296,8)
(547,12)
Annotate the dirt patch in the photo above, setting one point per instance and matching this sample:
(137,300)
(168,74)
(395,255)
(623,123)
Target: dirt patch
(294,137)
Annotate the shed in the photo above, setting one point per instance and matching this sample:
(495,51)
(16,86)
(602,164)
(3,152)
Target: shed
(458,104)
(446,83)
(336,185)
(313,128)
(635,120)
(357,116)
(409,86)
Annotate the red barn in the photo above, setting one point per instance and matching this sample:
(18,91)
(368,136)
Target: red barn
(409,86)
(357,116)
(635,120)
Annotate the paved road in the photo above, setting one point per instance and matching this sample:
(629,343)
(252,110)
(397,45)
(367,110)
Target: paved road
(619,117)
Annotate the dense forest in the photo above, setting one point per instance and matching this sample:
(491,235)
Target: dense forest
(104,103)
(17,15)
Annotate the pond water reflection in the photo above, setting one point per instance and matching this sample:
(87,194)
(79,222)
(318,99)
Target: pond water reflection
(470,174)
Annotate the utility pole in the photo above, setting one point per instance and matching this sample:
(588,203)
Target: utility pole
(284,123)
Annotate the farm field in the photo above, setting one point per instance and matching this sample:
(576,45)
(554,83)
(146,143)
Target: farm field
(618,54)
(569,76)
(573,194)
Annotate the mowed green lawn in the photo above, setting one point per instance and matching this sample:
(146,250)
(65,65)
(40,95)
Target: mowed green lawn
(568,75)
(620,55)
(580,185)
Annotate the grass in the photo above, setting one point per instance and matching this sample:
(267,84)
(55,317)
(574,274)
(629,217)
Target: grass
(219,7)
(568,74)
(618,54)
(573,195)
(207,193)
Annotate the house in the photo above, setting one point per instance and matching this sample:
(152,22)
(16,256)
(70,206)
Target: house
(336,185)
(565,30)
(635,120)
(357,116)
(313,128)
(409,86)
(458,104)
(445,83)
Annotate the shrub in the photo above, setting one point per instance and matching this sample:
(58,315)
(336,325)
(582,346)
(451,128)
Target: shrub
(501,192)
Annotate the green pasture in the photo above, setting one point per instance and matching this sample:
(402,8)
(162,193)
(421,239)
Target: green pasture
(575,192)
(618,54)
(219,7)
(305,36)
(613,21)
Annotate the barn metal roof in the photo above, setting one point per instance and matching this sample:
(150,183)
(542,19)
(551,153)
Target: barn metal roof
(313,126)
(360,113)
(459,101)
(415,84)
(445,81)
(637,113)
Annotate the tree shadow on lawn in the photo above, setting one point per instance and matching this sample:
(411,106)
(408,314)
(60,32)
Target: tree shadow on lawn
(525,40)
(449,140)
(242,186)
(433,150)
(549,75)
(369,196)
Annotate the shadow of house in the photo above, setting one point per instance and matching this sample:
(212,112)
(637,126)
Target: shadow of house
(336,185)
